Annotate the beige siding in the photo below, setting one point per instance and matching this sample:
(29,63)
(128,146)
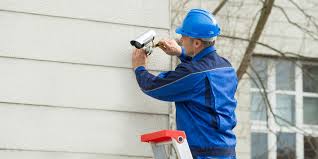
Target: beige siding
(243,128)
(68,90)
(69,85)
(77,41)
(149,13)
(12,154)
(74,130)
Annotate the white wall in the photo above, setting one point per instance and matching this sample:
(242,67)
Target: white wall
(67,87)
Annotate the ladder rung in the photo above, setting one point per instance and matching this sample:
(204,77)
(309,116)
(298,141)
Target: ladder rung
(163,136)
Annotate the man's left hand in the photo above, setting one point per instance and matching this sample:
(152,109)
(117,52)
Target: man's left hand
(139,58)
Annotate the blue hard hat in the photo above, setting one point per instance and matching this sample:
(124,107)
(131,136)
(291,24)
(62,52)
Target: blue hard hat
(199,23)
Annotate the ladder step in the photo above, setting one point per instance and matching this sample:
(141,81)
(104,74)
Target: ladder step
(163,136)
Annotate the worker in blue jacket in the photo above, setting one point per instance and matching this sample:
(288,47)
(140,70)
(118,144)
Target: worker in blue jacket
(202,86)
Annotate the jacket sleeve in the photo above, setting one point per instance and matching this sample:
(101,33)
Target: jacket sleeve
(183,57)
(170,86)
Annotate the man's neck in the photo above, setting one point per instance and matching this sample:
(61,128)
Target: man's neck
(197,51)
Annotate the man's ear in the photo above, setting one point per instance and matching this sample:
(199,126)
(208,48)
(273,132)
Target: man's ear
(197,43)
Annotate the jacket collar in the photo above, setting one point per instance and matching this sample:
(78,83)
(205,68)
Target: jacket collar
(203,52)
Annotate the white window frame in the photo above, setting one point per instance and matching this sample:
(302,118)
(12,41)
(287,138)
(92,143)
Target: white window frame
(261,126)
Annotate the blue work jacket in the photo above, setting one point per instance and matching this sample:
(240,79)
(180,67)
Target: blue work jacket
(203,89)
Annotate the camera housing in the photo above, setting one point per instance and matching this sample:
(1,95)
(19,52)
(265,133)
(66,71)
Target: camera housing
(144,41)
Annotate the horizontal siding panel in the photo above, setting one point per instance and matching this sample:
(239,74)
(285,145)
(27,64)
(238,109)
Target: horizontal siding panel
(309,48)
(286,30)
(69,40)
(233,54)
(244,28)
(134,12)
(293,14)
(69,85)
(73,130)
(245,155)
(243,145)
(14,154)
(304,4)
(242,129)
(282,43)
(304,47)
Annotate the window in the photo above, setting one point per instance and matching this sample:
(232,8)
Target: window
(258,107)
(310,88)
(259,148)
(310,147)
(310,75)
(259,66)
(291,88)
(310,111)
(285,75)
(286,146)
(285,108)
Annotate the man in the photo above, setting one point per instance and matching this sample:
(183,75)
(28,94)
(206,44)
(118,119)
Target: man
(202,86)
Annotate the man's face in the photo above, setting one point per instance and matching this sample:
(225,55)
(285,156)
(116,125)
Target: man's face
(192,46)
(187,43)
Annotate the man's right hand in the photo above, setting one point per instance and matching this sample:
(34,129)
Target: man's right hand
(170,47)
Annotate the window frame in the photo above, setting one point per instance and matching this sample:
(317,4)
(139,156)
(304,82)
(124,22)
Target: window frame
(299,94)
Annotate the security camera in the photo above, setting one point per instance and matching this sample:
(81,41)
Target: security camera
(145,40)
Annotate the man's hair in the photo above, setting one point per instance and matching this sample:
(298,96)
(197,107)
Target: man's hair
(207,42)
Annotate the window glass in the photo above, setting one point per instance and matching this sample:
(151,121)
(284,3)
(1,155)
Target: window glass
(260,66)
(286,146)
(259,146)
(310,147)
(310,112)
(310,78)
(285,75)
(285,108)
(258,107)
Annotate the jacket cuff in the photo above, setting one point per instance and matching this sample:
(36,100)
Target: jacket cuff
(139,68)
(183,55)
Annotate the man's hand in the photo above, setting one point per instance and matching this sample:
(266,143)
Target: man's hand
(139,58)
(170,47)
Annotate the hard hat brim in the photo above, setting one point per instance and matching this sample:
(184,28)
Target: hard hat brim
(179,31)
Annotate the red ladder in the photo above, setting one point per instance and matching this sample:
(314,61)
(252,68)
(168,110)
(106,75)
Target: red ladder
(160,138)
